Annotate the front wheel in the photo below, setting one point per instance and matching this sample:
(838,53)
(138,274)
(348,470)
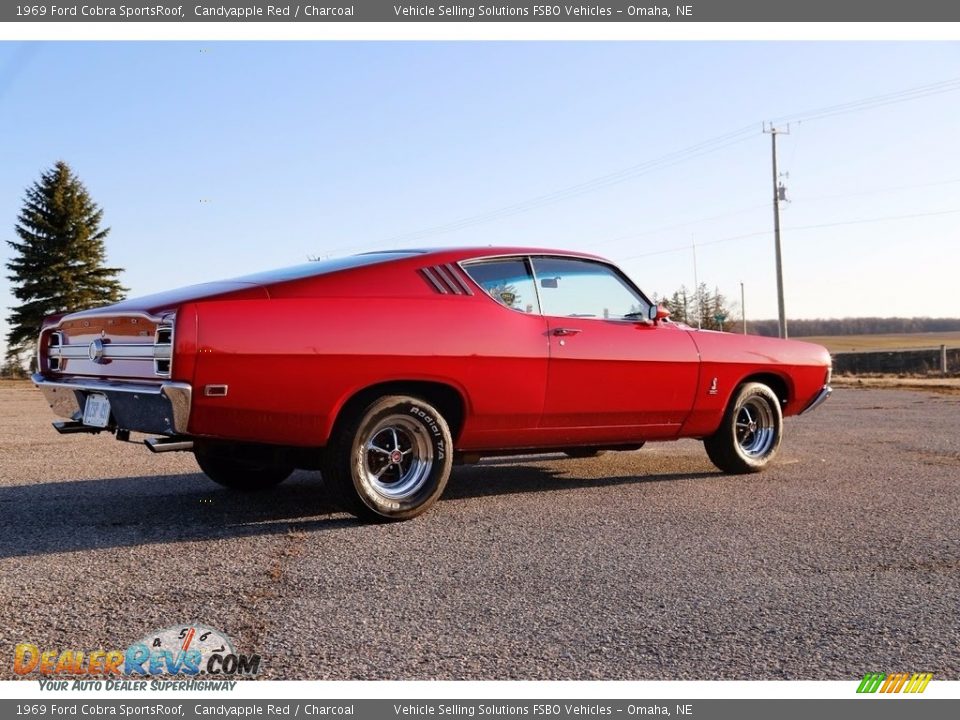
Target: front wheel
(390,460)
(750,432)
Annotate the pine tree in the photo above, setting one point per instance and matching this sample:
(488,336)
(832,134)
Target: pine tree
(700,308)
(58,264)
(679,305)
(12,369)
(719,312)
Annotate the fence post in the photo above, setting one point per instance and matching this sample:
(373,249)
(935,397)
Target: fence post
(943,359)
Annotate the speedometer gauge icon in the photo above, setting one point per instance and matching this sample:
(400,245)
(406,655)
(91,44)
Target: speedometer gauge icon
(194,640)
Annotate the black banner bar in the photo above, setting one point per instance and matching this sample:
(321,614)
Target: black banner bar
(853,709)
(494,11)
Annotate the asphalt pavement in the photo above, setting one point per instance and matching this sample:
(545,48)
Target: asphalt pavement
(841,559)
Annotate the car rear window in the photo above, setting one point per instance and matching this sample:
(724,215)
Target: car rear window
(508,281)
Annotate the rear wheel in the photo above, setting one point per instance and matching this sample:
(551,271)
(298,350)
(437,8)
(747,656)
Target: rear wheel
(578,453)
(390,460)
(749,435)
(238,470)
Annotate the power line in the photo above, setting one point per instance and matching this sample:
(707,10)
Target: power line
(876,191)
(700,149)
(760,233)
(766,205)
(691,152)
(914,93)
(553,197)
(697,221)
(876,219)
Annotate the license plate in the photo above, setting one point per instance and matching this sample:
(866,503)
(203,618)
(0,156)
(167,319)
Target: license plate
(96,412)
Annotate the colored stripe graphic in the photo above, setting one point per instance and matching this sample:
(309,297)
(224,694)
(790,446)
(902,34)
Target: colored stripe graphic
(894,682)
(918,683)
(871,682)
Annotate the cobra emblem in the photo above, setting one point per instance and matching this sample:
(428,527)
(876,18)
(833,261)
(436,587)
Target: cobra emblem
(95,351)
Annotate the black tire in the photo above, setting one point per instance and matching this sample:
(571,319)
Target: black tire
(390,460)
(749,435)
(239,472)
(579,453)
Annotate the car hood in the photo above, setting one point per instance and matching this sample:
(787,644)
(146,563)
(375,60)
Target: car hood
(733,347)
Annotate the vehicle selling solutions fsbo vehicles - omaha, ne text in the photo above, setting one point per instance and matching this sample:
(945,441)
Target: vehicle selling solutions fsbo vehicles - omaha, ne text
(382,369)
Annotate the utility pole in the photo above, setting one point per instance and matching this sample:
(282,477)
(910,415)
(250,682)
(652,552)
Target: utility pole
(778,193)
(743,309)
(696,284)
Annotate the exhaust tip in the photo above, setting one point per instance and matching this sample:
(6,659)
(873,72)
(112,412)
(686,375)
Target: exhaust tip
(168,444)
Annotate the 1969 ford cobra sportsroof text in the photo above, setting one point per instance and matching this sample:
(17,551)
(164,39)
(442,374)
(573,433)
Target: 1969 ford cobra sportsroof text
(383,369)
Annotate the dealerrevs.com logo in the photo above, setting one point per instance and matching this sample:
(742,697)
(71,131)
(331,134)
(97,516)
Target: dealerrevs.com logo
(189,649)
(894,682)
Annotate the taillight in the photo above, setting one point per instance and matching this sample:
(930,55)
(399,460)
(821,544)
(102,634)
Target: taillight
(54,350)
(163,350)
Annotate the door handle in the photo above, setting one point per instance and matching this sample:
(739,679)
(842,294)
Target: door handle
(563,332)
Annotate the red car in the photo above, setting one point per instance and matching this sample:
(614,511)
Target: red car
(383,369)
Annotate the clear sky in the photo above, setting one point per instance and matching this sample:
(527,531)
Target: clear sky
(219,159)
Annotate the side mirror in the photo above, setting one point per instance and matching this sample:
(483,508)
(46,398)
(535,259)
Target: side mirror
(659,313)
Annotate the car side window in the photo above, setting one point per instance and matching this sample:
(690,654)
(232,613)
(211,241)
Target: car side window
(581,288)
(508,281)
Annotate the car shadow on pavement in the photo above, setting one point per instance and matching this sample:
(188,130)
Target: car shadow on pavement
(494,478)
(70,516)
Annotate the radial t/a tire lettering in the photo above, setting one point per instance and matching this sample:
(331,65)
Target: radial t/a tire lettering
(750,433)
(390,460)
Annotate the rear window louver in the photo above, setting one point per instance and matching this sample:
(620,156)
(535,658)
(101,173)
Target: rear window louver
(446,279)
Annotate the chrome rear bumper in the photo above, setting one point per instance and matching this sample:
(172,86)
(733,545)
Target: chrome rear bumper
(162,408)
(818,400)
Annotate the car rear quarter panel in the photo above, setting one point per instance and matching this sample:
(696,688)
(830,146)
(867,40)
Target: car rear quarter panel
(291,363)
(731,359)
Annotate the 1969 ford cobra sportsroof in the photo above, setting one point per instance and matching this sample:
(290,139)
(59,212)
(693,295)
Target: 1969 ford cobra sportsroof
(383,369)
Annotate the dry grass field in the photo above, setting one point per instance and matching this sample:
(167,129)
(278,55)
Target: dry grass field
(8,383)
(941,386)
(897,341)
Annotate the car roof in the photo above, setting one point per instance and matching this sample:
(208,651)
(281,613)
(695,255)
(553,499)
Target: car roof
(417,257)
(457,254)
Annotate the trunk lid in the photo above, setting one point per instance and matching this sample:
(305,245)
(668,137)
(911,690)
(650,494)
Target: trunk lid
(133,339)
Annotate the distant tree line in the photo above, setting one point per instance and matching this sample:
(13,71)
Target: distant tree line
(856,326)
(713,311)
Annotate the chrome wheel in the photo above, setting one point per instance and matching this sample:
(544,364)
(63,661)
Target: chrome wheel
(750,432)
(397,457)
(389,461)
(755,428)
